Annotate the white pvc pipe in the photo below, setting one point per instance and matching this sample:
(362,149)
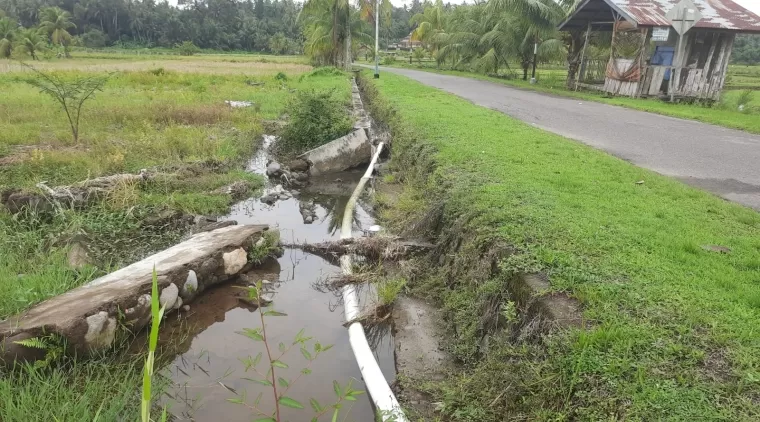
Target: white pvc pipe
(377,386)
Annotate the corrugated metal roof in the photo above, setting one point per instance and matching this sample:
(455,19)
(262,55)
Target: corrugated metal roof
(717,14)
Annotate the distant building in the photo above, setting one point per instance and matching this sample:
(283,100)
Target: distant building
(408,44)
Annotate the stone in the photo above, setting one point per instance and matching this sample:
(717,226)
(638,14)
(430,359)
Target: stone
(298,165)
(186,308)
(168,296)
(341,154)
(270,199)
(301,177)
(191,285)
(274,169)
(101,329)
(178,304)
(234,261)
(295,192)
(139,315)
(78,256)
(236,190)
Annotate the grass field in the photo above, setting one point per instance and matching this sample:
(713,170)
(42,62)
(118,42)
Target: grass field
(164,114)
(551,79)
(669,330)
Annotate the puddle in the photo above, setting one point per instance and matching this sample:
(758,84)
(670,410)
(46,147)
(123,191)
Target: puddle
(207,371)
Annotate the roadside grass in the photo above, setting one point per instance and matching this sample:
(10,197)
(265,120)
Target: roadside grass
(669,327)
(172,122)
(725,113)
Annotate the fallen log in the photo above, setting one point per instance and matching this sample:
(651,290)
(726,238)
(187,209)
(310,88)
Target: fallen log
(89,316)
(77,195)
(379,247)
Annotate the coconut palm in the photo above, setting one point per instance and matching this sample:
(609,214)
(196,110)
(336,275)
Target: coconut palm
(331,27)
(429,26)
(7,36)
(56,23)
(32,41)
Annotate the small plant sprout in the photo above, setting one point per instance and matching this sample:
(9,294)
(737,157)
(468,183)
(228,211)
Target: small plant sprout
(281,385)
(157,314)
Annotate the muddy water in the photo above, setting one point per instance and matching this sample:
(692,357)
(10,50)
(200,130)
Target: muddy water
(208,372)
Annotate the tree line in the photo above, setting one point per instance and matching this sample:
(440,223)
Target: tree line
(252,25)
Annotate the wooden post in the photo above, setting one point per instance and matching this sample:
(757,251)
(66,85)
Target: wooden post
(583,55)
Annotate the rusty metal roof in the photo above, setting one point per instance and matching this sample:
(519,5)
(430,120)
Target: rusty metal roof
(717,14)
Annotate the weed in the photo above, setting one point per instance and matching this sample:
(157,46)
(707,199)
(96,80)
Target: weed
(388,290)
(316,117)
(187,48)
(281,77)
(275,361)
(267,246)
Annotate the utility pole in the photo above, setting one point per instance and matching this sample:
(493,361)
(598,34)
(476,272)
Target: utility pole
(377,39)
(535,60)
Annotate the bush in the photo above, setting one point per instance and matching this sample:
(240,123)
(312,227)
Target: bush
(187,48)
(93,39)
(316,117)
(389,60)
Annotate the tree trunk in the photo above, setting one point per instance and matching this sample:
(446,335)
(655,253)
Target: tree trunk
(574,42)
(347,56)
(526,67)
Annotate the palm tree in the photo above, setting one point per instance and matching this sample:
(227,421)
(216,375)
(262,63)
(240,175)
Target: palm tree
(7,36)
(56,22)
(330,28)
(32,42)
(531,23)
(429,26)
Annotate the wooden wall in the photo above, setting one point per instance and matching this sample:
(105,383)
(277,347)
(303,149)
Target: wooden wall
(702,75)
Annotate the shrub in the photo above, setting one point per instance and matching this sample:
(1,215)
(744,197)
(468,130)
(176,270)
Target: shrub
(187,48)
(316,117)
(93,39)
(389,60)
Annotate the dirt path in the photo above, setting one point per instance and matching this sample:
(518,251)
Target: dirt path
(722,161)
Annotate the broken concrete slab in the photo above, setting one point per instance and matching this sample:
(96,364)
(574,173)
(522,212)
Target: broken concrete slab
(87,316)
(341,154)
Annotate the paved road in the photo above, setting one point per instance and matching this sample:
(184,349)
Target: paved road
(723,161)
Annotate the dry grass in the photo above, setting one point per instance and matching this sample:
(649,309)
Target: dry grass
(186,65)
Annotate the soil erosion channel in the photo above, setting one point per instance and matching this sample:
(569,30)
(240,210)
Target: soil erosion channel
(207,370)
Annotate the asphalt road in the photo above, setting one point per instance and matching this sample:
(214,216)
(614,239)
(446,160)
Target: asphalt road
(723,161)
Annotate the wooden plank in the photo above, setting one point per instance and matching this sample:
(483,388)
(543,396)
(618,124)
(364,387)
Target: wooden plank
(657,77)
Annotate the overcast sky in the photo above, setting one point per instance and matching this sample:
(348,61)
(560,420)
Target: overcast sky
(753,5)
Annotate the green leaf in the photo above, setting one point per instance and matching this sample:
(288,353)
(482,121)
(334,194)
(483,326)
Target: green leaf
(356,393)
(267,419)
(288,402)
(299,336)
(349,398)
(282,347)
(305,353)
(328,347)
(335,415)
(258,381)
(275,313)
(257,359)
(282,381)
(235,400)
(315,405)
(279,364)
(252,334)
(336,388)
(306,371)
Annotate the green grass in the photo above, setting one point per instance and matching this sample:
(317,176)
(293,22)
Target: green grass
(671,327)
(163,114)
(725,113)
